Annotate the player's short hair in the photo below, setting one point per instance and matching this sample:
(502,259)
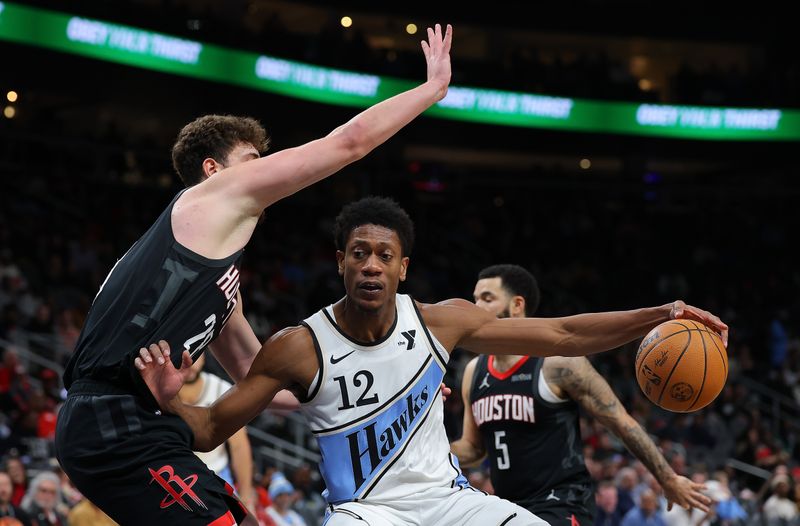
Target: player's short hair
(516,281)
(213,136)
(373,210)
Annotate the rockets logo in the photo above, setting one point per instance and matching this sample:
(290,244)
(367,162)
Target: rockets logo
(176,488)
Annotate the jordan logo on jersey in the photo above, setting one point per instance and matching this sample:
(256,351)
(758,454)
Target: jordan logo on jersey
(381,444)
(484,382)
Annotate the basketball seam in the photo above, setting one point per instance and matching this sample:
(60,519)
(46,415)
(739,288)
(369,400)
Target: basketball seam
(666,382)
(721,354)
(705,372)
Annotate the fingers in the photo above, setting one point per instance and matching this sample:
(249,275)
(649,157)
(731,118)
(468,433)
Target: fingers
(155,353)
(186,359)
(448,38)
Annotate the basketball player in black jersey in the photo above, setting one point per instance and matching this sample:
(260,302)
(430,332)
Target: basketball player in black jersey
(180,281)
(522,411)
(374,238)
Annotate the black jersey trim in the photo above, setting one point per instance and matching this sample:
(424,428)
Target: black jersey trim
(480,370)
(382,407)
(363,344)
(399,454)
(204,260)
(508,519)
(320,371)
(439,358)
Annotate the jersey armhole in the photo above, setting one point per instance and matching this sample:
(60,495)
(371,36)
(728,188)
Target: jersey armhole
(546,393)
(314,388)
(440,359)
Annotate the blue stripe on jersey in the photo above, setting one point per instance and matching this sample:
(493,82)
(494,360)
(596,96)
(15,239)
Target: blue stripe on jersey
(353,457)
(460,479)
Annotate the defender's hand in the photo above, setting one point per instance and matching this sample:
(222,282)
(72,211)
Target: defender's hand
(437,55)
(161,377)
(686,494)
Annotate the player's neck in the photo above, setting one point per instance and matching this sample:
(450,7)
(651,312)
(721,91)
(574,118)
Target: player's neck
(362,325)
(504,362)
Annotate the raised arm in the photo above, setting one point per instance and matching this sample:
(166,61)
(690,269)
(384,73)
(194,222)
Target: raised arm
(469,449)
(217,217)
(459,323)
(286,360)
(582,383)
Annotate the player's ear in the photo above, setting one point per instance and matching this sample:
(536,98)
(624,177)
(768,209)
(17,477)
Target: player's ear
(340,261)
(210,167)
(517,306)
(404,268)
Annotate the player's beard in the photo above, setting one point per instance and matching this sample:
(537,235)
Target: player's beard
(506,313)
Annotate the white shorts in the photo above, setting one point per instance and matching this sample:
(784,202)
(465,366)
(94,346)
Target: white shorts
(438,507)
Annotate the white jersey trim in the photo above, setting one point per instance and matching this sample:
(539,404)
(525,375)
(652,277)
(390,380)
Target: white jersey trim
(546,393)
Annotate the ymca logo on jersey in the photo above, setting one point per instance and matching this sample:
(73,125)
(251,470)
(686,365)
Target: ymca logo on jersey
(408,340)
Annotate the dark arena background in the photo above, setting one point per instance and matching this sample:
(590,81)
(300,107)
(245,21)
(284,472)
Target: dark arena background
(627,155)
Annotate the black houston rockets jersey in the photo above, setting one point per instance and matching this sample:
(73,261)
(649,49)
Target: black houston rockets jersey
(158,290)
(534,444)
(376,410)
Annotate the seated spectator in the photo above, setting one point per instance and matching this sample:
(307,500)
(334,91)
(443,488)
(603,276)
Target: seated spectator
(41,500)
(282,494)
(607,512)
(7,509)
(646,513)
(19,479)
(779,506)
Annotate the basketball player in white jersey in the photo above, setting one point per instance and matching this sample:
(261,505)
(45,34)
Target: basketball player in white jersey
(367,370)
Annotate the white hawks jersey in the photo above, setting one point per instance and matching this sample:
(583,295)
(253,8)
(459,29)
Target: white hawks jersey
(376,410)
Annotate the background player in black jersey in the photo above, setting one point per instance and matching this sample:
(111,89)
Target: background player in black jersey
(374,239)
(180,281)
(536,456)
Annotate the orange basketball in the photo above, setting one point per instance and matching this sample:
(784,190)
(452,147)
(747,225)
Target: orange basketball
(681,365)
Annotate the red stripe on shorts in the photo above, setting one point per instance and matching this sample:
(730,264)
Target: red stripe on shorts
(225,520)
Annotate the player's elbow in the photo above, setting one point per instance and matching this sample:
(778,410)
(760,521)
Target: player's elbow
(354,141)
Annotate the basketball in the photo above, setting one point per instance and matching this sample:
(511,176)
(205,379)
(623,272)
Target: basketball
(681,365)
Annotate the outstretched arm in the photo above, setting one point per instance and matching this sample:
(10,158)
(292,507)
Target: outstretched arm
(287,359)
(469,449)
(459,323)
(217,217)
(583,383)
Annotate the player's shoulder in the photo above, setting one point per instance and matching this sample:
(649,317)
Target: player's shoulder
(561,366)
(452,311)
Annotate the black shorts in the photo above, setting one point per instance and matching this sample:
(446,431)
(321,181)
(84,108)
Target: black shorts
(136,463)
(571,506)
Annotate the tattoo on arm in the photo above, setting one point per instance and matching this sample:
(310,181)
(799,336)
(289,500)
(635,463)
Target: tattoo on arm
(641,445)
(585,385)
